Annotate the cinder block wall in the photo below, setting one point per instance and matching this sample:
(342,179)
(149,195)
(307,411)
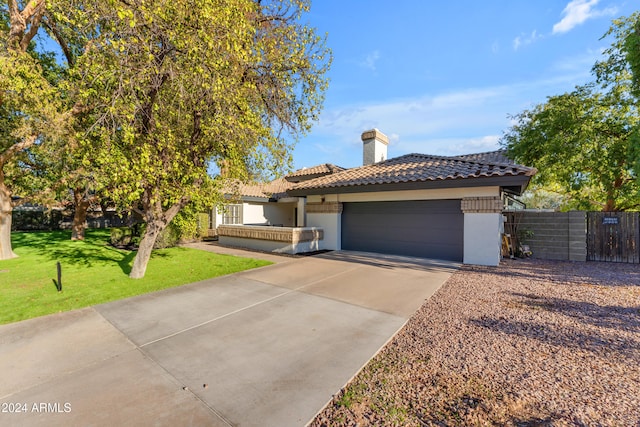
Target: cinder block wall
(556,235)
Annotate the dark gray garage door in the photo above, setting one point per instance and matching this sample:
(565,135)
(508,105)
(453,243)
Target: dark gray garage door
(425,228)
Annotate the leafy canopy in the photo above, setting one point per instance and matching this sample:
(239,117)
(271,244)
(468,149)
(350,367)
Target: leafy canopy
(585,143)
(170,86)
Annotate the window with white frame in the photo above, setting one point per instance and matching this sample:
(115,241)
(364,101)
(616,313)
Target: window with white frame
(232,214)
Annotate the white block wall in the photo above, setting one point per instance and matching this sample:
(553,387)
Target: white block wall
(482,238)
(331,223)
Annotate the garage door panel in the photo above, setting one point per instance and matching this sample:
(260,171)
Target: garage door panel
(426,228)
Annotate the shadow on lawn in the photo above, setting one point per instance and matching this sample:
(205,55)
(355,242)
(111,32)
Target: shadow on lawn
(58,246)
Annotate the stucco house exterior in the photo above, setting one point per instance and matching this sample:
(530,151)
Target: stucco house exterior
(438,207)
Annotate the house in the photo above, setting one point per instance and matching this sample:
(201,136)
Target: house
(421,205)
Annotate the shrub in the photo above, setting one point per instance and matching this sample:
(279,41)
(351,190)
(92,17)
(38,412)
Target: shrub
(168,238)
(121,236)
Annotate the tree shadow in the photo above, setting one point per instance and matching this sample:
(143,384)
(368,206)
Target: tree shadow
(564,336)
(607,316)
(126,263)
(561,272)
(532,422)
(58,246)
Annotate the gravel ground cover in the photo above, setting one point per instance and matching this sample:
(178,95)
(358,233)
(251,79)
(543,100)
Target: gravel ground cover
(529,343)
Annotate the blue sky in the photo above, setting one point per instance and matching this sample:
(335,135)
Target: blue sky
(442,77)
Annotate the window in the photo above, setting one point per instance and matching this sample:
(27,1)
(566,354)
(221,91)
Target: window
(232,214)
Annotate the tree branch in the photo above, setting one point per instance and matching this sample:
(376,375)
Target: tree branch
(51,26)
(16,148)
(34,22)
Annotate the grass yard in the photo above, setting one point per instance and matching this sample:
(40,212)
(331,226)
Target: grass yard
(94,272)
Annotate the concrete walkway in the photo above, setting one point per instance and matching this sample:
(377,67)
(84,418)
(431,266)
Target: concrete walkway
(265,347)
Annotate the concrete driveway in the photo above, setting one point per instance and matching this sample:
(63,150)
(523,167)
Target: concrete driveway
(265,347)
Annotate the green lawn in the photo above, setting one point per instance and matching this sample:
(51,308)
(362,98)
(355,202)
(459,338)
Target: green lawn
(94,272)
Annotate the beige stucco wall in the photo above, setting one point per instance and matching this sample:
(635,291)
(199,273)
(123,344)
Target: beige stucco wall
(289,240)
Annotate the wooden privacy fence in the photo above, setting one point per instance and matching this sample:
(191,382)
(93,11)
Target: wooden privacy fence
(613,236)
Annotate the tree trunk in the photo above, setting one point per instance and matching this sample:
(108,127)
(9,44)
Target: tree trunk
(80,205)
(157,220)
(6,209)
(153,230)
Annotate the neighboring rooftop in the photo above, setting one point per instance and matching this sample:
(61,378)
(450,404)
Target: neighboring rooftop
(313,172)
(277,188)
(274,189)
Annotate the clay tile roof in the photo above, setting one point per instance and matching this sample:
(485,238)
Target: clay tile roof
(498,156)
(319,170)
(417,168)
(274,189)
(277,188)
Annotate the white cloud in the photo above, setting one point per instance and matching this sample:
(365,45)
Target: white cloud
(450,123)
(370,60)
(579,11)
(523,40)
(579,63)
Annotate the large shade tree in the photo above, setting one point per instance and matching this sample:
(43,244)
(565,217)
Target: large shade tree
(585,143)
(39,158)
(174,85)
(29,103)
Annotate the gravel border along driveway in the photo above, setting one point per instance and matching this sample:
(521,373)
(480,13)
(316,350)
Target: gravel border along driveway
(529,343)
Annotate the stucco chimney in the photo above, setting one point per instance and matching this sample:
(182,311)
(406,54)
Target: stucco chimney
(374,146)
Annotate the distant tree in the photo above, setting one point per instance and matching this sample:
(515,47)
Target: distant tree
(39,158)
(544,197)
(174,85)
(622,59)
(585,143)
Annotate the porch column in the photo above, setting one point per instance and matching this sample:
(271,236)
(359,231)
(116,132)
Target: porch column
(328,216)
(301,220)
(482,230)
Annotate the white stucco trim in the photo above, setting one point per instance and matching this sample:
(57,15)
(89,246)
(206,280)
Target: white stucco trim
(433,194)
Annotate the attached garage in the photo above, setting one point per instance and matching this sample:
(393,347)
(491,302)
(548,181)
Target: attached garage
(440,207)
(422,228)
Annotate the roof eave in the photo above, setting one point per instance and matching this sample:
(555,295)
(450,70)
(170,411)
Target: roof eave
(515,184)
(241,198)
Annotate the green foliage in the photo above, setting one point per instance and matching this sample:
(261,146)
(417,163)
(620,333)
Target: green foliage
(152,92)
(129,237)
(178,85)
(168,238)
(546,197)
(584,143)
(191,223)
(172,86)
(93,272)
(202,225)
(121,237)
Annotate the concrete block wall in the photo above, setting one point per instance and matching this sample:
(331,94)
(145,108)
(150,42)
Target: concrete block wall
(556,235)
